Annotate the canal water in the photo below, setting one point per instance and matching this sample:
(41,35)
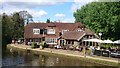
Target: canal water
(24,58)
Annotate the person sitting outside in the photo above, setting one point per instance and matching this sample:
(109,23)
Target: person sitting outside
(58,46)
(13,41)
(98,48)
(55,46)
(80,48)
(92,50)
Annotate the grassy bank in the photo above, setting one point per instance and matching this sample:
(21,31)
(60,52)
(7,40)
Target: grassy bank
(90,60)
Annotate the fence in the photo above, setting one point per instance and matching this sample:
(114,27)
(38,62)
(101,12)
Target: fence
(107,53)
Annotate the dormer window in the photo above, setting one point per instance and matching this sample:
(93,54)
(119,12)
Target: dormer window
(43,31)
(63,31)
(51,31)
(36,31)
(79,30)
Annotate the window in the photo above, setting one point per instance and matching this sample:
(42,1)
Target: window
(51,31)
(51,40)
(37,40)
(72,42)
(63,31)
(79,30)
(41,31)
(36,31)
(45,31)
(68,42)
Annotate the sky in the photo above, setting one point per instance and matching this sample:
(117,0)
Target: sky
(41,10)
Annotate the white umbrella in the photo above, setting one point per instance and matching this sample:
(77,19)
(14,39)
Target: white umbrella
(108,41)
(117,42)
(94,40)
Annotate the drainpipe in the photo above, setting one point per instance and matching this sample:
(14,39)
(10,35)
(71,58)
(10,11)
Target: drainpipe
(43,34)
(85,50)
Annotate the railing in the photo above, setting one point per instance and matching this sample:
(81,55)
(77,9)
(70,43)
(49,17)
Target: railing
(107,53)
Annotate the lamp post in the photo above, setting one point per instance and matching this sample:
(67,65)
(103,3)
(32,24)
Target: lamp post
(100,34)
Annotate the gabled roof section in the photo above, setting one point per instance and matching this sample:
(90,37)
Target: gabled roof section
(73,35)
(88,31)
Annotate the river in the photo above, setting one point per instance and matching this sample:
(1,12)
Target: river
(23,58)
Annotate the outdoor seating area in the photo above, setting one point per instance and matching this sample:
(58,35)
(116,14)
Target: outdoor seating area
(114,54)
(107,48)
(94,50)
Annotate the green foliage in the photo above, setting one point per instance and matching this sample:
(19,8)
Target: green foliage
(101,17)
(48,21)
(18,26)
(42,43)
(26,16)
(33,45)
(6,29)
(12,27)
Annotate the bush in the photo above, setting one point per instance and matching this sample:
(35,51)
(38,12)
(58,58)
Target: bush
(32,45)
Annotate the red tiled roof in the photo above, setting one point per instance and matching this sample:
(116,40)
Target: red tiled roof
(51,36)
(28,33)
(88,31)
(73,35)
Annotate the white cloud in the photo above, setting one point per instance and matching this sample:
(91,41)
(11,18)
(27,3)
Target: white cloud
(9,9)
(33,3)
(79,3)
(60,15)
(34,13)
(36,0)
(37,14)
(42,13)
(29,4)
(76,6)
(68,20)
(10,6)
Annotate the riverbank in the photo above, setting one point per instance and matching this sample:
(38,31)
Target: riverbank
(68,53)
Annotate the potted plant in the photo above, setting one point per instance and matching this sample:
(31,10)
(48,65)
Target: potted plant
(32,45)
(42,45)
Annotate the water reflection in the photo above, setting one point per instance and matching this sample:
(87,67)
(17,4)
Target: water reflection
(23,58)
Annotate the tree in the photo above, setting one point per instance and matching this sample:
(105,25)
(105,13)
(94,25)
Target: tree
(12,27)
(101,17)
(48,20)
(26,16)
(7,28)
(18,23)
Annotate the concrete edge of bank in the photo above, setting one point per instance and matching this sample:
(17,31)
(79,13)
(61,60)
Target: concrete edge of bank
(101,61)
